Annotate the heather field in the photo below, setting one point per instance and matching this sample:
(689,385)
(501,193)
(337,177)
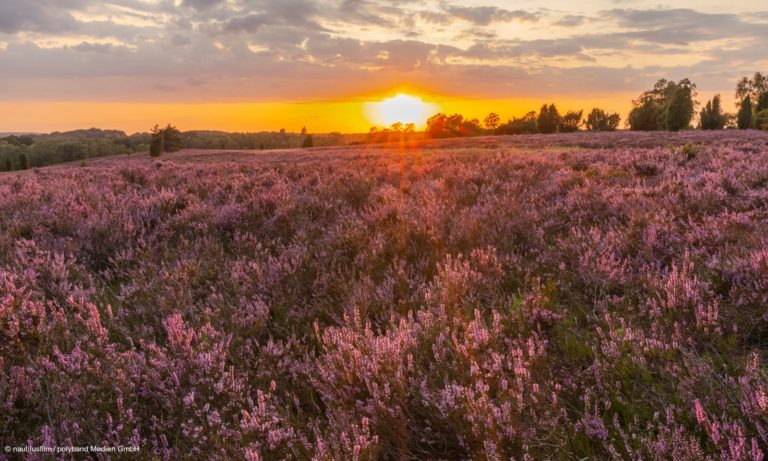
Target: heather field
(583,296)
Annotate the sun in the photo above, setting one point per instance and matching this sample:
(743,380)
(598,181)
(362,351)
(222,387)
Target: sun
(403,108)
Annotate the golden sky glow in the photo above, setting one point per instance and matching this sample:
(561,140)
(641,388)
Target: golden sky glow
(319,117)
(401,108)
(250,65)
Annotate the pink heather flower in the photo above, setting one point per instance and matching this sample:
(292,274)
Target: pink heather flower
(756,453)
(701,416)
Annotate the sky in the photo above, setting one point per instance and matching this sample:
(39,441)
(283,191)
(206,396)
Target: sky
(251,65)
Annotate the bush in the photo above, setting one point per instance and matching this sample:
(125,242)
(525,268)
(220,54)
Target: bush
(524,125)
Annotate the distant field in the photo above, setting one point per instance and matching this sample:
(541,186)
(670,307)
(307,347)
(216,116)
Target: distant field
(584,296)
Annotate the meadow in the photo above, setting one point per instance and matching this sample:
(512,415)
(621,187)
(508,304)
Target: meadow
(575,296)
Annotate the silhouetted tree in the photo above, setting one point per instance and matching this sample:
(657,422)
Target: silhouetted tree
(23,161)
(452,126)
(599,120)
(261,146)
(712,117)
(523,125)
(571,121)
(549,119)
(744,120)
(645,117)
(308,142)
(166,139)
(157,142)
(172,139)
(668,106)
(762,102)
(679,111)
(304,131)
(752,88)
(492,121)
(761,120)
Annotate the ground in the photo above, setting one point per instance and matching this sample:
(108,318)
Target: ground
(572,296)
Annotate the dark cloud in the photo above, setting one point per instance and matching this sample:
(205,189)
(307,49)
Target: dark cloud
(486,15)
(248,23)
(202,4)
(38,15)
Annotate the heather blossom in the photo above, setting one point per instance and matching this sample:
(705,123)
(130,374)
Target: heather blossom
(586,296)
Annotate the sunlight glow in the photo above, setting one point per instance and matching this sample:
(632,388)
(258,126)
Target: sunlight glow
(402,108)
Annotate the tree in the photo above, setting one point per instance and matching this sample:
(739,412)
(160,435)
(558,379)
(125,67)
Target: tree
(678,112)
(668,105)
(752,88)
(308,142)
(452,126)
(157,142)
(645,117)
(492,121)
(712,117)
(549,119)
(172,139)
(166,139)
(14,140)
(523,125)
(599,120)
(571,121)
(761,120)
(744,120)
(304,131)
(23,161)
(261,146)
(762,102)
(8,164)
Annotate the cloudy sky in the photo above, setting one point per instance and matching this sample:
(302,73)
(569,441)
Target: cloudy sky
(264,64)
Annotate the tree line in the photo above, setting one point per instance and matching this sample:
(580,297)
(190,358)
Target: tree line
(20,152)
(547,120)
(669,105)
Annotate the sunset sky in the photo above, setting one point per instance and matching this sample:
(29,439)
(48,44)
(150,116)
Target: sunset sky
(250,65)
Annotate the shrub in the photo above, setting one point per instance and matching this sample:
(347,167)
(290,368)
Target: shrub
(524,125)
